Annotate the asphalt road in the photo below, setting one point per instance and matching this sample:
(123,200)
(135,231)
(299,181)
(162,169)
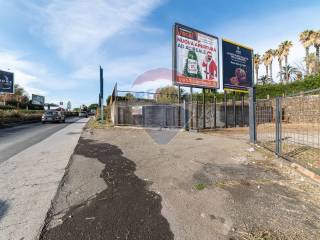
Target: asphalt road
(16,139)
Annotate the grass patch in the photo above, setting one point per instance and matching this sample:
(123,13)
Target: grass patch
(94,123)
(199,186)
(270,235)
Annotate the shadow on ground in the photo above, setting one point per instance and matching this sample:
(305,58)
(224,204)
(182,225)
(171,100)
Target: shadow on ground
(4,207)
(125,210)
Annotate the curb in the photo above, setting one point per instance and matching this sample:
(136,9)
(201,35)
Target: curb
(306,172)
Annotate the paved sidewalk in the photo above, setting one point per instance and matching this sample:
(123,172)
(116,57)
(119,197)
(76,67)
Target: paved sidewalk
(29,181)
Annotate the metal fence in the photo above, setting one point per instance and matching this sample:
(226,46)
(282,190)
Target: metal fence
(146,109)
(290,126)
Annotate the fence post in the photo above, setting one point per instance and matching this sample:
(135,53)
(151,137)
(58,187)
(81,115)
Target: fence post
(234,109)
(225,110)
(278,125)
(197,115)
(186,115)
(242,110)
(252,115)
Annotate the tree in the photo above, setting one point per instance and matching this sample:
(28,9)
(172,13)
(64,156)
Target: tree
(270,53)
(266,58)
(263,80)
(286,48)
(257,62)
(315,38)
(167,94)
(312,63)
(129,96)
(293,72)
(93,106)
(306,40)
(279,54)
(18,90)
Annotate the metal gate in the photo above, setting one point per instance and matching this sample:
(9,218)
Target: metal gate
(290,126)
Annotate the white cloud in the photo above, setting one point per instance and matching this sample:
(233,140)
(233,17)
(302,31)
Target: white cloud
(25,72)
(78,28)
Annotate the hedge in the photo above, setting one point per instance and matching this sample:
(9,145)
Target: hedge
(279,89)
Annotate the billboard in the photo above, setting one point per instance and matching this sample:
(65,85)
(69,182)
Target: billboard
(37,100)
(6,82)
(195,58)
(237,66)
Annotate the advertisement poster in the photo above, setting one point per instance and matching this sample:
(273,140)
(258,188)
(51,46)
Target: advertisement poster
(37,100)
(195,58)
(6,82)
(237,66)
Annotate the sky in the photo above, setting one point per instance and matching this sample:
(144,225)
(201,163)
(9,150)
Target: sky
(55,47)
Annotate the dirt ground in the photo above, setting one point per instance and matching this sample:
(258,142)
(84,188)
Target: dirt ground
(165,184)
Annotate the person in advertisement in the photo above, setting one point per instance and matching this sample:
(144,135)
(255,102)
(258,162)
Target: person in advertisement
(209,66)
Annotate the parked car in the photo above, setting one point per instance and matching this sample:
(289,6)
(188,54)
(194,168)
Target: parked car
(92,112)
(83,114)
(53,116)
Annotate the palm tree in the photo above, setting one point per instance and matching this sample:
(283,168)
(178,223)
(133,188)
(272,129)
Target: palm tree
(267,59)
(257,62)
(306,40)
(286,48)
(315,37)
(279,54)
(292,72)
(312,63)
(271,54)
(263,80)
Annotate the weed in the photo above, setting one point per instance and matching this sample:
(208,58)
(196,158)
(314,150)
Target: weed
(199,186)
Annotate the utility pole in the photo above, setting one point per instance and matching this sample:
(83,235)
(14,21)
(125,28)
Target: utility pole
(101,95)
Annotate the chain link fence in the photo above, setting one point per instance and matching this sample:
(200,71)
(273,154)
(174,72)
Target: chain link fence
(290,126)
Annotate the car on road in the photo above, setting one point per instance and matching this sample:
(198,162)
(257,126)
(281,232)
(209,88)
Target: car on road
(83,114)
(53,116)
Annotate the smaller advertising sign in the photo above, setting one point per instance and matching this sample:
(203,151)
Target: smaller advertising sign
(37,100)
(6,82)
(237,66)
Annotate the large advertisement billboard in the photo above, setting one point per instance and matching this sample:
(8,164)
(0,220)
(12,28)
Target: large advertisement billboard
(196,58)
(37,100)
(6,82)
(237,66)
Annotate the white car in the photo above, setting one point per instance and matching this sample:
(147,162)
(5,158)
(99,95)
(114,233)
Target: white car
(53,116)
(83,114)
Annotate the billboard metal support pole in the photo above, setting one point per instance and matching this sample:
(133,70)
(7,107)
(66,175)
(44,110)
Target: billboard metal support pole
(234,109)
(203,108)
(242,109)
(197,115)
(179,108)
(225,110)
(186,116)
(252,115)
(191,106)
(215,111)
